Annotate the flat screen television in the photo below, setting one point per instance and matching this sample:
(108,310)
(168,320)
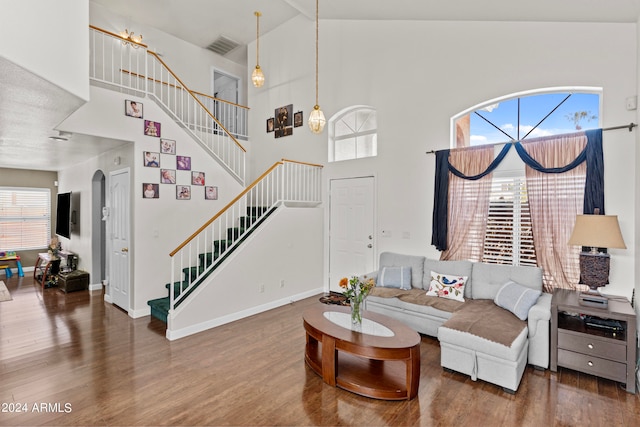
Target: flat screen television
(63,215)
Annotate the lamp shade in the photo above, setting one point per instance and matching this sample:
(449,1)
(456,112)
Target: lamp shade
(598,231)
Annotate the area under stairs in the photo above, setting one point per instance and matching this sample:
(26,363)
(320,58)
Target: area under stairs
(255,216)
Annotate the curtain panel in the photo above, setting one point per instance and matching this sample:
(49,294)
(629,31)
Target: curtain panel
(555,189)
(468,203)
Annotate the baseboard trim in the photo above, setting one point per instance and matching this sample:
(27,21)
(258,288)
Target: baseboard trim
(194,329)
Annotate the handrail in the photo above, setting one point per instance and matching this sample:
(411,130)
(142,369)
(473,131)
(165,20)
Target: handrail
(196,99)
(303,163)
(228,205)
(220,100)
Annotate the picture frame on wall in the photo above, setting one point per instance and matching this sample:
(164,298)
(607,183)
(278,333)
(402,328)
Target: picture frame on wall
(270,125)
(133,108)
(150,190)
(167,146)
(197,178)
(297,119)
(167,176)
(183,163)
(151,159)
(152,128)
(283,121)
(183,192)
(210,193)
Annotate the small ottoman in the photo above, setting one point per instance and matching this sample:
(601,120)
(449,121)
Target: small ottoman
(487,342)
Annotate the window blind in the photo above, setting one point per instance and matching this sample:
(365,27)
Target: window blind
(508,237)
(25,218)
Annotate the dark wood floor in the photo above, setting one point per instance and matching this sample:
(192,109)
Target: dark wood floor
(90,364)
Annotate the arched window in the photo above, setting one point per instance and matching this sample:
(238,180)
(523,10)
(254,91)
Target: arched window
(515,117)
(353,133)
(508,237)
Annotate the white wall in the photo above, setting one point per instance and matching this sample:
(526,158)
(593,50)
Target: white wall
(283,256)
(418,75)
(158,225)
(192,64)
(50,39)
(78,179)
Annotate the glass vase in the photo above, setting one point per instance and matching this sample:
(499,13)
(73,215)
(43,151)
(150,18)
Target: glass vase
(356,311)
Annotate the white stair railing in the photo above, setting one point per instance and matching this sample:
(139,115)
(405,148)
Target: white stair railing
(286,182)
(132,68)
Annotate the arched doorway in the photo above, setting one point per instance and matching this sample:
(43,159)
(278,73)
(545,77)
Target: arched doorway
(98,229)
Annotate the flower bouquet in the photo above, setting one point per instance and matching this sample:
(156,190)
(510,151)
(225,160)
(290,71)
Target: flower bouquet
(356,290)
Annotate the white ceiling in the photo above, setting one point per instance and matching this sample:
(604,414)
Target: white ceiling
(31,108)
(202,21)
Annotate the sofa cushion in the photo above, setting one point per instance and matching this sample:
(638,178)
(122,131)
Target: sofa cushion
(482,325)
(517,299)
(391,259)
(456,268)
(395,277)
(489,278)
(415,300)
(447,286)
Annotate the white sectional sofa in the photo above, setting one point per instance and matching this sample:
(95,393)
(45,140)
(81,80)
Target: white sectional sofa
(478,337)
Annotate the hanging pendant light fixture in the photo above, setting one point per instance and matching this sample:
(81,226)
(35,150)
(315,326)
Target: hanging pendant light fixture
(316,118)
(257,77)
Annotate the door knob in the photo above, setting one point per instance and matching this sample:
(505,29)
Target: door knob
(124,250)
(370,237)
(369,245)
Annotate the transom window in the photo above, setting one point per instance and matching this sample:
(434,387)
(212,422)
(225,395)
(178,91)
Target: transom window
(524,115)
(25,218)
(353,134)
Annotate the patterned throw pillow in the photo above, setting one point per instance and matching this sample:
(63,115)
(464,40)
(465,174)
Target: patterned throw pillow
(447,286)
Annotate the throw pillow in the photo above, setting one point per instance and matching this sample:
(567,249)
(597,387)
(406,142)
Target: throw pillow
(517,299)
(447,286)
(395,277)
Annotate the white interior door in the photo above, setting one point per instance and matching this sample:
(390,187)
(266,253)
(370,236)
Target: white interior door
(119,218)
(351,228)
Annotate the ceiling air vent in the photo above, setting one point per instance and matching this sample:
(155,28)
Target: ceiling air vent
(223,45)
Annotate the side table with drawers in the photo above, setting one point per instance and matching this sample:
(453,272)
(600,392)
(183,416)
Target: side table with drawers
(596,341)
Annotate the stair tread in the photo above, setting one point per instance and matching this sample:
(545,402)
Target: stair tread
(160,303)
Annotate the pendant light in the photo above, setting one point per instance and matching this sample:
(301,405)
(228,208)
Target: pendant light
(316,118)
(257,77)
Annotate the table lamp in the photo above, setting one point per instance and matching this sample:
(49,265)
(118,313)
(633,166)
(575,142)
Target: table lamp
(596,231)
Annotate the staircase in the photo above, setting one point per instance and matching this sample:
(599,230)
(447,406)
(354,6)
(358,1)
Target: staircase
(131,68)
(194,262)
(194,275)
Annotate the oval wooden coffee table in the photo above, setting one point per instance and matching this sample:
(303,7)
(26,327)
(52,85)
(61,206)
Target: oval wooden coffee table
(382,361)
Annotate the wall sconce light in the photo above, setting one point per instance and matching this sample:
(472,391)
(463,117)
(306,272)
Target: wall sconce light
(131,37)
(316,118)
(257,77)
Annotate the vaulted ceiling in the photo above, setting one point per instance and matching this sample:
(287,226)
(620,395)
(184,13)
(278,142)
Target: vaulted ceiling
(29,117)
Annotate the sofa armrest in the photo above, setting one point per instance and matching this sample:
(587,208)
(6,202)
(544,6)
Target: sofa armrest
(538,324)
(541,310)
